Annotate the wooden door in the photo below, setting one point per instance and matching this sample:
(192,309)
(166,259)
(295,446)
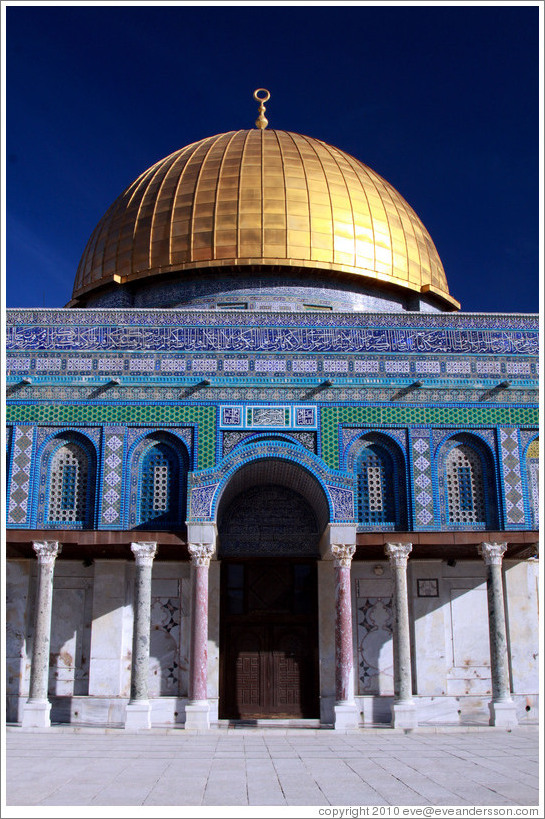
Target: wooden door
(269,645)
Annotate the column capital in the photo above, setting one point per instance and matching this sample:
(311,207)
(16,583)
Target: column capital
(47,550)
(342,554)
(492,553)
(144,553)
(201,553)
(398,553)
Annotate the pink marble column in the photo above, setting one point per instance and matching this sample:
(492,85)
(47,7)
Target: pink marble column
(344,659)
(197,710)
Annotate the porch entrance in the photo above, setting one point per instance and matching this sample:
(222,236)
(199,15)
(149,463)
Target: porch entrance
(269,639)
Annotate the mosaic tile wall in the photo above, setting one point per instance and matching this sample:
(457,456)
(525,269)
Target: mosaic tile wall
(511,477)
(19,475)
(114,448)
(315,382)
(422,478)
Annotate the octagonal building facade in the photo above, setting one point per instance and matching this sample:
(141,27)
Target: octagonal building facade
(262,467)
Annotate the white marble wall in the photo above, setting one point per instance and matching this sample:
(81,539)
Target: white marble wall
(522,595)
(213,637)
(90,671)
(17,652)
(450,642)
(71,620)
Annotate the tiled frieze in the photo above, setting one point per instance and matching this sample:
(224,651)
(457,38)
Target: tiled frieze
(513,497)
(422,478)
(34,317)
(274,416)
(341,333)
(270,390)
(72,368)
(79,365)
(21,464)
(232,439)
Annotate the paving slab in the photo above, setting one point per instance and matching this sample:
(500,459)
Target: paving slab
(298,768)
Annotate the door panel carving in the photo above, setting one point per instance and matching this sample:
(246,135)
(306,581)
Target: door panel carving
(269,645)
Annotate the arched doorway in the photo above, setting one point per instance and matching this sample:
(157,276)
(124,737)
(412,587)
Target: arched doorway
(269,533)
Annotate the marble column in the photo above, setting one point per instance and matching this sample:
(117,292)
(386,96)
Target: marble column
(197,711)
(138,713)
(346,713)
(502,708)
(36,710)
(404,708)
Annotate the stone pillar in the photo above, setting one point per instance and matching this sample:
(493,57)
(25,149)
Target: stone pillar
(346,712)
(37,708)
(502,708)
(404,708)
(197,711)
(138,713)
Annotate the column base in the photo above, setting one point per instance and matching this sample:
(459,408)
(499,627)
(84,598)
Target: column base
(503,714)
(197,716)
(347,716)
(138,716)
(404,716)
(36,714)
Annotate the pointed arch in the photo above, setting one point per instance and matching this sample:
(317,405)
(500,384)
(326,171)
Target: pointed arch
(158,482)
(467,483)
(68,477)
(381,484)
(532,482)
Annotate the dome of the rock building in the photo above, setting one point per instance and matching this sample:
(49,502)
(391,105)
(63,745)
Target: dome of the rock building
(256,200)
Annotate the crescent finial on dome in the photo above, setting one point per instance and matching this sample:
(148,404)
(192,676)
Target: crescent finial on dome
(261,122)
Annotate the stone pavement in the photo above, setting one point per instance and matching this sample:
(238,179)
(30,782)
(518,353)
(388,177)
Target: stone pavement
(93,767)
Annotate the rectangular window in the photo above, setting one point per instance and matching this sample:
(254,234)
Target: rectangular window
(160,487)
(68,492)
(464,485)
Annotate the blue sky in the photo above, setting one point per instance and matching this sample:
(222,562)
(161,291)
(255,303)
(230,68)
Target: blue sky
(440,100)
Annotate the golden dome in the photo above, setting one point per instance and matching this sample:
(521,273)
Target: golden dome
(262,197)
